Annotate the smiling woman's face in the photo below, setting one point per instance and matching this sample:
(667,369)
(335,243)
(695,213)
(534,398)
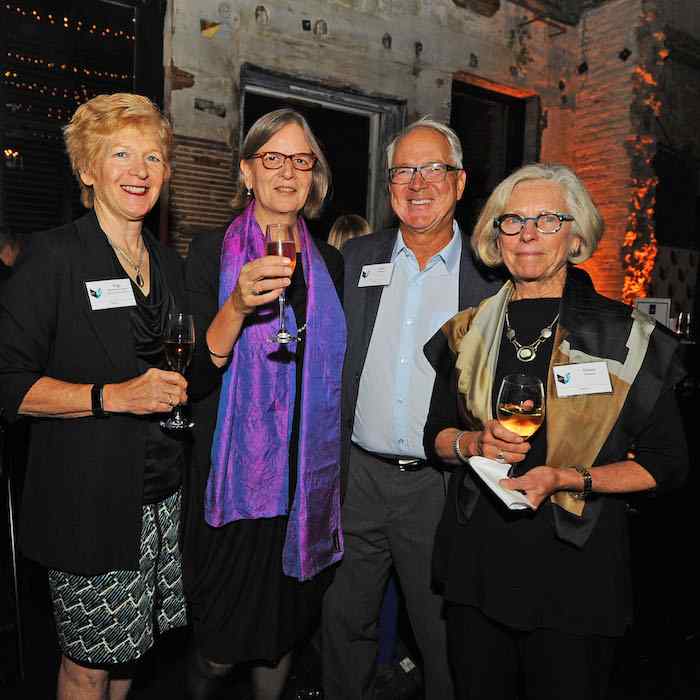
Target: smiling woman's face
(279,194)
(538,260)
(127,175)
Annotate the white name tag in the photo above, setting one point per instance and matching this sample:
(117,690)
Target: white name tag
(376,275)
(110,294)
(582,378)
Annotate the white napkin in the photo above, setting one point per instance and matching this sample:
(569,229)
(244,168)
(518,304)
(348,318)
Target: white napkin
(491,472)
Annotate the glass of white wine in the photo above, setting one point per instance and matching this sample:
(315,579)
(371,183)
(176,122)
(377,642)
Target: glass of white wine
(520,404)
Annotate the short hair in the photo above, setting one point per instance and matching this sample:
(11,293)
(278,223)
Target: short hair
(100,117)
(346,227)
(259,134)
(428,123)
(587,225)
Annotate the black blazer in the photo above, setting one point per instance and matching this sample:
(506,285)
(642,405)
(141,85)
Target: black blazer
(83,491)
(361,306)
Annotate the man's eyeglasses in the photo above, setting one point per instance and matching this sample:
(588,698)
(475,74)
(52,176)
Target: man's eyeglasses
(430,172)
(547,222)
(274,161)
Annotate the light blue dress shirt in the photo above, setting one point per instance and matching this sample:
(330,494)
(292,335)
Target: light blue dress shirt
(397,380)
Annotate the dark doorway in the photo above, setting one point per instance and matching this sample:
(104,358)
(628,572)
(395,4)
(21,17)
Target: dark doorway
(491,127)
(344,138)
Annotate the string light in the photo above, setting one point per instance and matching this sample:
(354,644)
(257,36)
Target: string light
(53,66)
(70,24)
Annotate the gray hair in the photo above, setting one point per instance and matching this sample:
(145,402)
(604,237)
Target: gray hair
(428,123)
(587,225)
(259,134)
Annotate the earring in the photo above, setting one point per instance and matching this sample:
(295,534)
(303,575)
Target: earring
(249,192)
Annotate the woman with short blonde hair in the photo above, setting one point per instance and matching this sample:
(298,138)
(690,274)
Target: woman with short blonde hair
(81,350)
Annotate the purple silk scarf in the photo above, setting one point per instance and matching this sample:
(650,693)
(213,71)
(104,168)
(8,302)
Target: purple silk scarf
(249,475)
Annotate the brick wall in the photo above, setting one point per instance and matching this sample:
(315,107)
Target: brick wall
(602,126)
(200,189)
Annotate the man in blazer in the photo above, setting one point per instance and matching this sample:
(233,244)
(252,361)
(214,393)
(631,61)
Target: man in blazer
(401,285)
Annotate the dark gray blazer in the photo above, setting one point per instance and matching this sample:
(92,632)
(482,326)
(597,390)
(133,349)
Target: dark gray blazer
(362,303)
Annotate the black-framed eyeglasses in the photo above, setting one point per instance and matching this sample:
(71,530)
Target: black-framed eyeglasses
(430,172)
(547,222)
(272,160)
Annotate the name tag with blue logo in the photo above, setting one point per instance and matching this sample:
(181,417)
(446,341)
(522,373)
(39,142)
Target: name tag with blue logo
(376,275)
(582,378)
(110,294)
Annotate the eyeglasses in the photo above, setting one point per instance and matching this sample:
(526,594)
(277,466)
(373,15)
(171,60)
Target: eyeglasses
(547,222)
(430,172)
(274,161)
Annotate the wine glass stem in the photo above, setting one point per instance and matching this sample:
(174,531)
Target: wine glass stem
(283,328)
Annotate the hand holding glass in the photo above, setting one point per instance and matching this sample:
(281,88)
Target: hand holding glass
(520,404)
(279,240)
(178,344)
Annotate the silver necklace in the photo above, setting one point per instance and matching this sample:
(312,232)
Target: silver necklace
(527,353)
(137,266)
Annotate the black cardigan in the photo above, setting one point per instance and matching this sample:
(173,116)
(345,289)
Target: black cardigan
(82,501)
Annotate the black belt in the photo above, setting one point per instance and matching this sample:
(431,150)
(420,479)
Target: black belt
(405,464)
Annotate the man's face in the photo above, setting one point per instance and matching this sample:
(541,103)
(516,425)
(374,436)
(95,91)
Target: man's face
(425,208)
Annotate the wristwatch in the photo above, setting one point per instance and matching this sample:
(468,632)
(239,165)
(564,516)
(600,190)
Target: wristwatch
(587,483)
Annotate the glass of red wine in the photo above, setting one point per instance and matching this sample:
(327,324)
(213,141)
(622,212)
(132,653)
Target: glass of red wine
(178,344)
(279,240)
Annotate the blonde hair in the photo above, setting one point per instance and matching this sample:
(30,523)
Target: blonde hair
(587,225)
(346,227)
(259,134)
(100,117)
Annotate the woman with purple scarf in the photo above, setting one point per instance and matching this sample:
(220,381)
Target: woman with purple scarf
(263,520)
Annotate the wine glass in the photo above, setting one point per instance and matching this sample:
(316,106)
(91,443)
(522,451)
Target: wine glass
(520,404)
(178,344)
(684,325)
(279,240)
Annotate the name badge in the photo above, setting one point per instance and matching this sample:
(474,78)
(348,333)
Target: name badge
(582,378)
(376,275)
(110,294)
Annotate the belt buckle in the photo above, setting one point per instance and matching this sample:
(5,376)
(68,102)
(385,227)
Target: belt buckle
(409,465)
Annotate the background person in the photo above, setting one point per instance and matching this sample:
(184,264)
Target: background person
(346,227)
(546,590)
(80,351)
(393,495)
(264,525)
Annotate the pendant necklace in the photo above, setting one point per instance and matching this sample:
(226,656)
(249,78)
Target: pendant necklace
(527,353)
(137,266)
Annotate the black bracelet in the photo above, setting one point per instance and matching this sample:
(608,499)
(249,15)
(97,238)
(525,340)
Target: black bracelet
(98,409)
(216,354)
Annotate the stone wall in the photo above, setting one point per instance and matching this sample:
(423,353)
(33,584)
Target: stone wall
(207,41)
(589,116)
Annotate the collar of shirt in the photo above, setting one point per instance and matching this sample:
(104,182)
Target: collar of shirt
(449,256)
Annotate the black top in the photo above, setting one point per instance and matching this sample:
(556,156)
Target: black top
(163,467)
(509,564)
(83,490)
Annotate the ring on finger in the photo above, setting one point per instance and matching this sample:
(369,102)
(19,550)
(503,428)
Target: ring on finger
(500,456)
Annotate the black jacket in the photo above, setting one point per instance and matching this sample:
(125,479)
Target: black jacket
(361,306)
(82,501)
